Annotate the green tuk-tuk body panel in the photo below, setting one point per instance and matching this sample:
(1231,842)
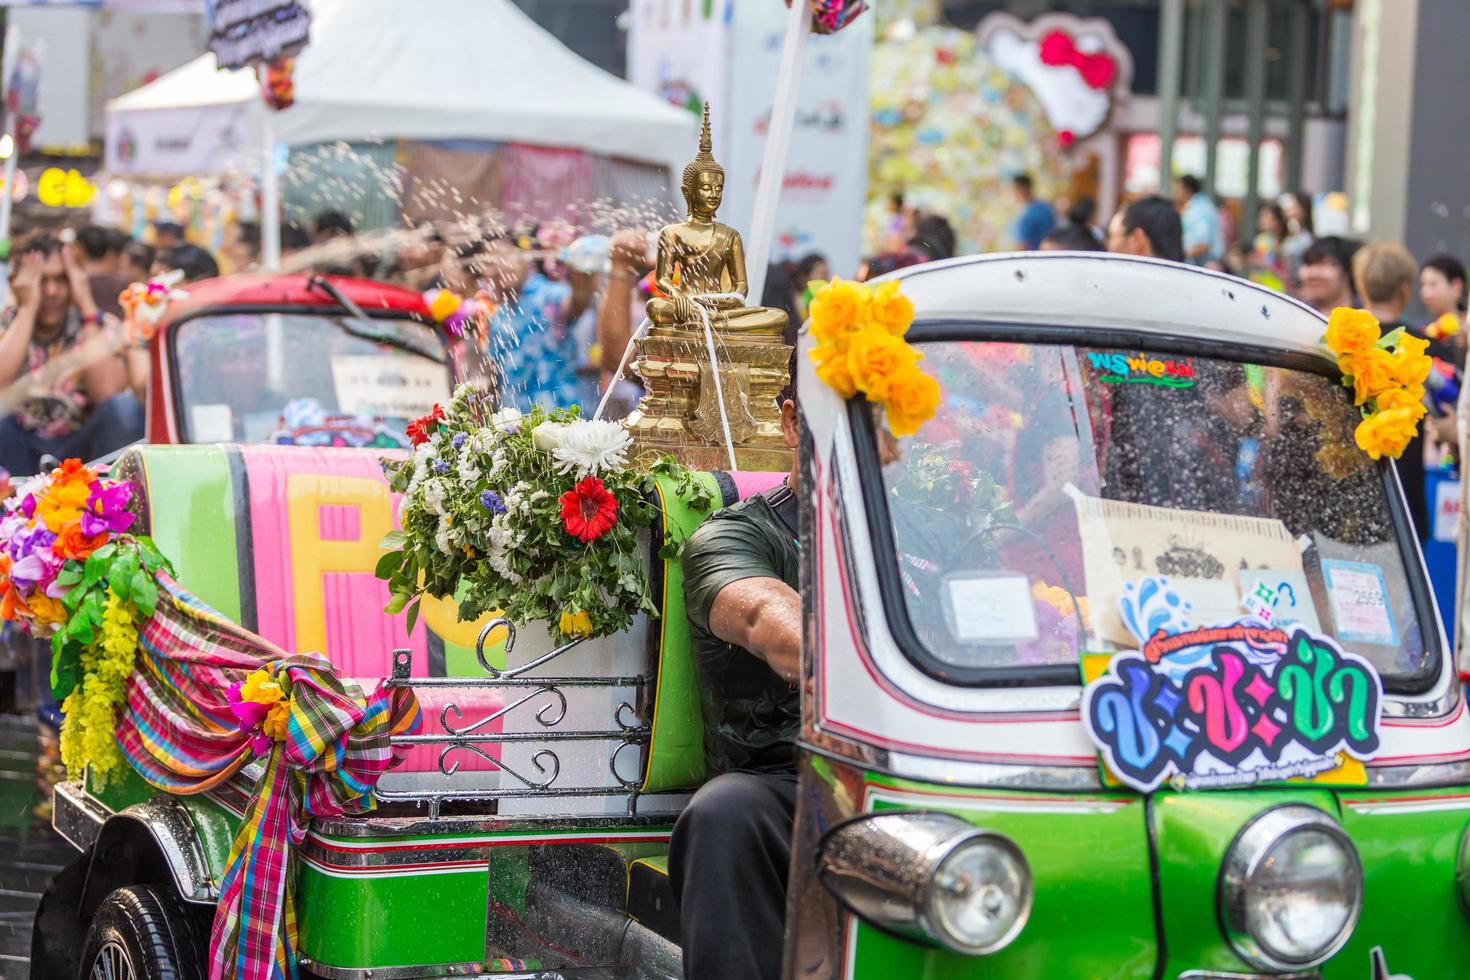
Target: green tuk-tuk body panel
(1093,907)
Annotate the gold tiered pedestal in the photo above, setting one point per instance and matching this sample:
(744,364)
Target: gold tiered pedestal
(679,414)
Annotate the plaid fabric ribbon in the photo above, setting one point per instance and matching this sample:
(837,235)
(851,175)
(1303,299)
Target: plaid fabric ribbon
(178,732)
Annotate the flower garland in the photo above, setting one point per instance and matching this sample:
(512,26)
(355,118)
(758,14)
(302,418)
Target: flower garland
(69,571)
(861,349)
(1445,327)
(1387,375)
(536,515)
(262,708)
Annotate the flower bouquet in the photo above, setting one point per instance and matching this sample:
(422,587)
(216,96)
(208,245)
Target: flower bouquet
(536,515)
(70,571)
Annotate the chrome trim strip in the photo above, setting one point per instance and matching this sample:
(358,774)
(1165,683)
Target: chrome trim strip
(76,816)
(441,970)
(1216,975)
(452,826)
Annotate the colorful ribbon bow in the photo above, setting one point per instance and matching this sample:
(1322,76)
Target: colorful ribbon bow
(1097,69)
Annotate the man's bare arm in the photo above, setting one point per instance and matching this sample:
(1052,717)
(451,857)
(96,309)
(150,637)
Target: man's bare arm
(762,615)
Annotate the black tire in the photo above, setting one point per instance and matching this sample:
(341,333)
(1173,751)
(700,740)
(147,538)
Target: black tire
(142,933)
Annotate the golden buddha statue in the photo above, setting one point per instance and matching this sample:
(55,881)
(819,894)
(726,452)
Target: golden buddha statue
(701,273)
(701,261)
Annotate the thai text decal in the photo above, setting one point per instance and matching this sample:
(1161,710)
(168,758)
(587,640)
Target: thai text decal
(1146,369)
(1249,704)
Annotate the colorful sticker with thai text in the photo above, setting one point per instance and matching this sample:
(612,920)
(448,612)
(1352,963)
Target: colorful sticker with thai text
(1146,369)
(1227,705)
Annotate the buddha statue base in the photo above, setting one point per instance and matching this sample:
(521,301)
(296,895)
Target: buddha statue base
(680,415)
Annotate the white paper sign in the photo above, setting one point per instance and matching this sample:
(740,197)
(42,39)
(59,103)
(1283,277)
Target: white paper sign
(1359,602)
(1446,510)
(388,387)
(991,609)
(211,423)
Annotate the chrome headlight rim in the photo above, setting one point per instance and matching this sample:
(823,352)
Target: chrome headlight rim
(916,892)
(1244,857)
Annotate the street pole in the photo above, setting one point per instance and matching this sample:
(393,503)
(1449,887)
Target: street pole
(1217,29)
(778,141)
(7,200)
(1171,70)
(1256,24)
(1296,69)
(270,197)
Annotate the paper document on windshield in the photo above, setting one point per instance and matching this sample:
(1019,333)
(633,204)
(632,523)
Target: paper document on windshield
(1201,552)
(388,387)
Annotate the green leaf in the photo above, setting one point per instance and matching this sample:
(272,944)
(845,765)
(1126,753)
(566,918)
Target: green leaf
(105,552)
(121,584)
(65,669)
(1391,338)
(397,603)
(96,570)
(145,596)
(74,598)
(413,615)
(389,563)
(70,574)
(392,541)
(140,581)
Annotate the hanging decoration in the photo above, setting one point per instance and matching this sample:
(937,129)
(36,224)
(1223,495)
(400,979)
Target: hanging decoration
(831,16)
(145,303)
(278,84)
(861,349)
(1077,67)
(1387,375)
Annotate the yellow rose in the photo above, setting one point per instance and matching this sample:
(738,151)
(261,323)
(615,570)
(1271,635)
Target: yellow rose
(1410,364)
(837,308)
(1350,331)
(874,356)
(913,398)
(832,370)
(260,688)
(1386,433)
(1372,371)
(890,309)
(277,722)
(575,623)
(1411,398)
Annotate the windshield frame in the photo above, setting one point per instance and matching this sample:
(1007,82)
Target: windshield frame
(175,377)
(873,488)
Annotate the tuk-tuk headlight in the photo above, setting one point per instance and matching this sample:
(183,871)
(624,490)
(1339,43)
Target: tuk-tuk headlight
(1291,887)
(929,876)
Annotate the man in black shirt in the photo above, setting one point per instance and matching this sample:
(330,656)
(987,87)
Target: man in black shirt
(732,845)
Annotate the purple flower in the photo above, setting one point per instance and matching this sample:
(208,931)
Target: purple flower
(458,440)
(440,466)
(107,509)
(28,506)
(39,568)
(26,541)
(491,501)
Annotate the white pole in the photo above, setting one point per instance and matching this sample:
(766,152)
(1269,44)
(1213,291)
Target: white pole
(778,141)
(7,200)
(270,197)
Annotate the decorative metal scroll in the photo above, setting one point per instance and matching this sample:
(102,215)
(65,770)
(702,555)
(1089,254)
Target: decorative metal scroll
(546,697)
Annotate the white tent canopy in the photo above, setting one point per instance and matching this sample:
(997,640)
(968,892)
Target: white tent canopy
(398,69)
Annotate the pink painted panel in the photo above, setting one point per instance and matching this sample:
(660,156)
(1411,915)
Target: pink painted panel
(339,522)
(748,483)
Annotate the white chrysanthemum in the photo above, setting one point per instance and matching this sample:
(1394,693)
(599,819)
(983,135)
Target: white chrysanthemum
(585,447)
(444,536)
(506,419)
(434,493)
(421,458)
(469,468)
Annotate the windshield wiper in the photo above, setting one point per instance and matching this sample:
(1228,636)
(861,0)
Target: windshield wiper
(362,327)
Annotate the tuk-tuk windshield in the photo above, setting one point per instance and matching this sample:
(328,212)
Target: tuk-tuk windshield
(305,379)
(1055,477)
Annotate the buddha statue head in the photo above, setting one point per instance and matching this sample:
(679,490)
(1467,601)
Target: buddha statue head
(704,179)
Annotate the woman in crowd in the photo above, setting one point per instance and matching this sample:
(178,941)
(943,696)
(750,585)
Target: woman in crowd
(1442,291)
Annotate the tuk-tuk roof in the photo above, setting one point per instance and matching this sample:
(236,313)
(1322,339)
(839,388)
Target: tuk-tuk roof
(1106,291)
(292,290)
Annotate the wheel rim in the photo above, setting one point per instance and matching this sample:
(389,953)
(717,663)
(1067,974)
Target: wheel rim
(112,963)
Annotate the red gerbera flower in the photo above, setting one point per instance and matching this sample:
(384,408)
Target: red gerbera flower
(588,510)
(420,429)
